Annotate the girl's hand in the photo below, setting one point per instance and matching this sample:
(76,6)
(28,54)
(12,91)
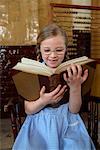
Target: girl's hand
(53,97)
(75,78)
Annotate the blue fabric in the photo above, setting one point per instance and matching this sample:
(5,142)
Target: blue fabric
(53,129)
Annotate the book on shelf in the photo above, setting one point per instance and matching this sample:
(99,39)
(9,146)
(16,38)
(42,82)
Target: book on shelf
(31,75)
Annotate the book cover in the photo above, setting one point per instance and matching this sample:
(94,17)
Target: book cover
(32,75)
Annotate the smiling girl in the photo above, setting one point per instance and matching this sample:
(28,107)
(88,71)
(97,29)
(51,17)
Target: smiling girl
(55,128)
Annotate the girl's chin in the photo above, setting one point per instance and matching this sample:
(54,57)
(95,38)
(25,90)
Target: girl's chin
(53,64)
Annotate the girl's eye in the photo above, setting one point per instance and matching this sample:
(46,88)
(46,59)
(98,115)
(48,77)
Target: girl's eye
(46,50)
(59,50)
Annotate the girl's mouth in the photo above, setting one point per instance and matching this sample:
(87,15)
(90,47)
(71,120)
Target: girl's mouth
(52,61)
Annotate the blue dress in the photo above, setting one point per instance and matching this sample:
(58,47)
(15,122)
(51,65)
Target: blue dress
(53,129)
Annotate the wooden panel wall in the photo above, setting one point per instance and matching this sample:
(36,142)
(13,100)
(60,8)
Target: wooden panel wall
(44,10)
(18,22)
(95,34)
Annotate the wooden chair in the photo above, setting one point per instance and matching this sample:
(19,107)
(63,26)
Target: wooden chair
(17,115)
(94,105)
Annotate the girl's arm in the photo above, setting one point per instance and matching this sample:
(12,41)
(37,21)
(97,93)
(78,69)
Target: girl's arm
(32,107)
(74,81)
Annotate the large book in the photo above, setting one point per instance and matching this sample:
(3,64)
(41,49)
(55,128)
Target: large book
(31,75)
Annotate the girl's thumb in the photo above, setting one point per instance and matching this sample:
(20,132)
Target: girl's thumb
(42,90)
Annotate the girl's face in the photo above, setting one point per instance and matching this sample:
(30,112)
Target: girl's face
(53,50)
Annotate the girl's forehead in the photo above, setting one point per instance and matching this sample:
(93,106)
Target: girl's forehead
(55,40)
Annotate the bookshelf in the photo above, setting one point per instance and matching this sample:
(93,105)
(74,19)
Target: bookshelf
(9,56)
(82,25)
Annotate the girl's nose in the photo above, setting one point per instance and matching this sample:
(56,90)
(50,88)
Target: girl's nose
(53,54)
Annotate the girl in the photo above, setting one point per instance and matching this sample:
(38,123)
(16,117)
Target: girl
(49,126)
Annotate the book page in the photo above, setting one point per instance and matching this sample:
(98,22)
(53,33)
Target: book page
(35,68)
(81,61)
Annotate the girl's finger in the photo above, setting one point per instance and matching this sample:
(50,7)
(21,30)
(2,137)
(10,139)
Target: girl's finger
(42,91)
(74,69)
(69,72)
(65,77)
(59,98)
(85,75)
(61,92)
(79,70)
(54,92)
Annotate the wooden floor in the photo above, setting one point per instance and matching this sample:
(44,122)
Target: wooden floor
(6,136)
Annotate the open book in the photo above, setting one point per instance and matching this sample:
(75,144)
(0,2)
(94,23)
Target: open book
(32,75)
